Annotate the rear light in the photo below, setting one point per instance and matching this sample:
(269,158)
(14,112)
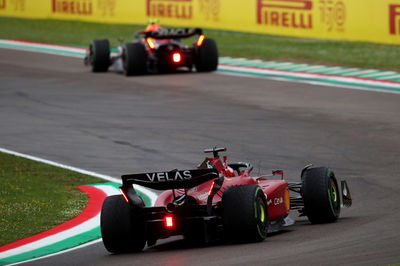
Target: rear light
(151,43)
(200,40)
(211,189)
(176,57)
(123,194)
(169,221)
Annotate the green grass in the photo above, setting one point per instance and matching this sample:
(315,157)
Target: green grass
(35,197)
(235,44)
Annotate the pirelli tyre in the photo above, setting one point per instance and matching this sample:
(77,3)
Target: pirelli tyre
(320,194)
(99,55)
(244,214)
(206,58)
(121,228)
(134,59)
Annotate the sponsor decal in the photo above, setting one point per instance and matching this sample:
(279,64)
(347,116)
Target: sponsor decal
(194,189)
(107,7)
(210,9)
(275,201)
(73,7)
(179,9)
(203,196)
(333,14)
(173,32)
(394,19)
(295,14)
(14,5)
(278,201)
(169,176)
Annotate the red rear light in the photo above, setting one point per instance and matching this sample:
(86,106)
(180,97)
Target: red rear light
(169,221)
(151,43)
(123,194)
(200,40)
(176,57)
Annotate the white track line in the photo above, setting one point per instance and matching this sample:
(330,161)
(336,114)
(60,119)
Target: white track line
(144,190)
(85,226)
(72,51)
(57,237)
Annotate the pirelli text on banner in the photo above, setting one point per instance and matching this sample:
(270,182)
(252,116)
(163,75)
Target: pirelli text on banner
(351,20)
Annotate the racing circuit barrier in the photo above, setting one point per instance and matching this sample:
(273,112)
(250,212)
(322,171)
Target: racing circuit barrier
(352,20)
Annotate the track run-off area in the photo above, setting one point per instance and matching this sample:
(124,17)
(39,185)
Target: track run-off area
(272,114)
(367,79)
(83,229)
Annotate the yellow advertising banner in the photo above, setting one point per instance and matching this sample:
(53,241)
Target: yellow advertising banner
(353,20)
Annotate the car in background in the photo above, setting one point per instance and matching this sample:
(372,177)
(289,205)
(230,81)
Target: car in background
(155,50)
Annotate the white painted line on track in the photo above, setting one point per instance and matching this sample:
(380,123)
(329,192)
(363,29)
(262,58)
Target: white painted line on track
(311,75)
(92,223)
(46,241)
(81,228)
(391,77)
(375,75)
(311,82)
(246,67)
(144,190)
(60,252)
(367,71)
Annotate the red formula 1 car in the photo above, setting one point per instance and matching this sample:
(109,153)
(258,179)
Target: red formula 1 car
(155,50)
(218,200)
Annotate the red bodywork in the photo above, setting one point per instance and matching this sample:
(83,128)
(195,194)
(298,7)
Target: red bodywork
(275,190)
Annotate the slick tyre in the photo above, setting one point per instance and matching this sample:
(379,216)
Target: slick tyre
(121,227)
(320,193)
(134,59)
(244,214)
(206,56)
(99,54)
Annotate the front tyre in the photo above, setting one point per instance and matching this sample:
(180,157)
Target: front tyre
(99,55)
(245,214)
(121,227)
(321,196)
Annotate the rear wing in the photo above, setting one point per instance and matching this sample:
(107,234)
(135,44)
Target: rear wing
(170,180)
(173,33)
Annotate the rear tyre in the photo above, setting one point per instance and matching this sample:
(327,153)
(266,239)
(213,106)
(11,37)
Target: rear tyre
(134,59)
(121,227)
(99,54)
(320,193)
(207,56)
(244,214)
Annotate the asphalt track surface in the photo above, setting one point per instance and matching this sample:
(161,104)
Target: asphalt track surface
(53,107)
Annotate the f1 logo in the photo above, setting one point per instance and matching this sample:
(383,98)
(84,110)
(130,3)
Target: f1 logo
(394,19)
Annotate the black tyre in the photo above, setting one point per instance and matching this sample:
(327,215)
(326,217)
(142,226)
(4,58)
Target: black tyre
(206,56)
(320,193)
(244,214)
(134,59)
(121,229)
(99,55)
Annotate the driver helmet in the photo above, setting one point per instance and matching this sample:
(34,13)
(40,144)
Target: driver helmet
(229,171)
(153,26)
